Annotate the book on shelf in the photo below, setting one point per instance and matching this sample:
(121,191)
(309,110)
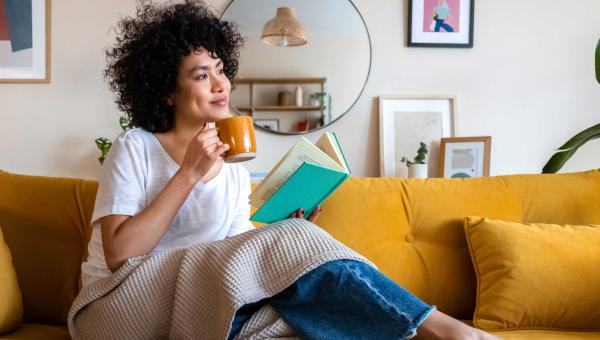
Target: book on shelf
(306,175)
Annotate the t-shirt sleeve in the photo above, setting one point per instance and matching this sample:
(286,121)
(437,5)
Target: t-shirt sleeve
(241,223)
(121,188)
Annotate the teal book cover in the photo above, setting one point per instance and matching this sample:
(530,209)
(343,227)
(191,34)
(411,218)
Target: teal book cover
(307,188)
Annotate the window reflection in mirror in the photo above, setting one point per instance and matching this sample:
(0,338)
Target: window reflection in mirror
(305,87)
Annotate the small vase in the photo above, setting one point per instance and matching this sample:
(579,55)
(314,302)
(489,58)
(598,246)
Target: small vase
(298,96)
(417,171)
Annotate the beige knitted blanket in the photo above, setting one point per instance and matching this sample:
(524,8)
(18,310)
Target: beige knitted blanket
(194,293)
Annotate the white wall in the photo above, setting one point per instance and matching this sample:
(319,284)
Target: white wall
(528,82)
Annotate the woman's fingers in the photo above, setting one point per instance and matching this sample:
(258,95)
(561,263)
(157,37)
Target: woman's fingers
(298,213)
(312,217)
(203,131)
(314,214)
(206,134)
(221,148)
(208,142)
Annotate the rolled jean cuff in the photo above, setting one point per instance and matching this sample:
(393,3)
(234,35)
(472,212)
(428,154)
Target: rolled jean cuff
(412,331)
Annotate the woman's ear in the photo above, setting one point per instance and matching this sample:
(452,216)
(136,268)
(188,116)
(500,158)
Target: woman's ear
(170,100)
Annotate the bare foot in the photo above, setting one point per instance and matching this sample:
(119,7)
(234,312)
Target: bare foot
(443,327)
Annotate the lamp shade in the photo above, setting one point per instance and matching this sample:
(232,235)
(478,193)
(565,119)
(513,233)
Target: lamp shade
(284,29)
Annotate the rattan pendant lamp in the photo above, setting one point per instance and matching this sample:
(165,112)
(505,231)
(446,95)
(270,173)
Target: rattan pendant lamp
(284,30)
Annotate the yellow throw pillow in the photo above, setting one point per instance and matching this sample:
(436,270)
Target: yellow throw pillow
(11,305)
(542,276)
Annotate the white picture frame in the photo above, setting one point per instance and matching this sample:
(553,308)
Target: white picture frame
(30,61)
(405,121)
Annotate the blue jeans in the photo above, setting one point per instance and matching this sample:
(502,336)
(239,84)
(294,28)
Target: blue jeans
(439,23)
(344,299)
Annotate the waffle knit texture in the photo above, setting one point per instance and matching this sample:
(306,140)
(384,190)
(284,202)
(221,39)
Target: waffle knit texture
(193,293)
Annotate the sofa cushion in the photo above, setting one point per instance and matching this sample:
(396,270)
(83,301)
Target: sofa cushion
(35,331)
(535,275)
(45,222)
(537,334)
(412,229)
(11,306)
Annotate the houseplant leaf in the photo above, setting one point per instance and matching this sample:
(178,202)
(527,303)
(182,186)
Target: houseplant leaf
(125,125)
(565,152)
(104,144)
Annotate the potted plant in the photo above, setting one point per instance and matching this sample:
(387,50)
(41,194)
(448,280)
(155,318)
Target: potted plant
(565,152)
(104,144)
(417,168)
(318,99)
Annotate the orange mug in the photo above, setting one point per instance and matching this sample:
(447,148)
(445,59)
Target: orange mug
(238,132)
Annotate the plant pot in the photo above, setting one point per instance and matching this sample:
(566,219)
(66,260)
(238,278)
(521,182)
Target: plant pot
(417,171)
(314,101)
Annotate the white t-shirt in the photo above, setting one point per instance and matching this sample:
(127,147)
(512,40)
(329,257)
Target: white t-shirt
(134,173)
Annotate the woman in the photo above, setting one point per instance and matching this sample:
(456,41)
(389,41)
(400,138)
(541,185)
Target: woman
(440,14)
(165,187)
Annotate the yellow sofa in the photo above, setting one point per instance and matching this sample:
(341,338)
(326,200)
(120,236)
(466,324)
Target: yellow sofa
(412,229)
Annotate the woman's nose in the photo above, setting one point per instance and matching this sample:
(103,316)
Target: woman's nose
(219,84)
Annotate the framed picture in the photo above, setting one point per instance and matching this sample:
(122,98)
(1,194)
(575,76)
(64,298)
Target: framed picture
(440,23)
(465,157)
(25,41)
(405,122)
(271,124)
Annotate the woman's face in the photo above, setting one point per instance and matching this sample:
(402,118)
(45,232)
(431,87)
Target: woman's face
(202,93)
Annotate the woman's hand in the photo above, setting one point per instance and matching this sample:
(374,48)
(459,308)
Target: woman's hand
(202,152)
(313,216)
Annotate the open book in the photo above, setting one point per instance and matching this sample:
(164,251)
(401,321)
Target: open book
(306,175)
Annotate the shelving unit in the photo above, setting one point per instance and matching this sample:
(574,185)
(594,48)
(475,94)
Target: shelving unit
(252,82)
(289,122)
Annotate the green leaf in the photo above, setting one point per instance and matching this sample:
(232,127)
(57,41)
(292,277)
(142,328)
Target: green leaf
(565,152)
(598,61)
(125,125)
(104,144)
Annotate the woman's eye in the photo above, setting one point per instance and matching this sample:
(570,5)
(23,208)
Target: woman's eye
(221,71)
(201,77)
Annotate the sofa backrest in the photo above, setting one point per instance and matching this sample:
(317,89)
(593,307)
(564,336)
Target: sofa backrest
(45,222)
(413,229)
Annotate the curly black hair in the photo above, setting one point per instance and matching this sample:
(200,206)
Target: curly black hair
(150,47)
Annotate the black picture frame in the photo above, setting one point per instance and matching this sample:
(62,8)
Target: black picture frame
(415,41)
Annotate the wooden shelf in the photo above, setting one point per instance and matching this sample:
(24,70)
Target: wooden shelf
(314,80)
(279,108)
(291,113)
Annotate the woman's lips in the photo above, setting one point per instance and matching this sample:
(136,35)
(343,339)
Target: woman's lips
(220,102)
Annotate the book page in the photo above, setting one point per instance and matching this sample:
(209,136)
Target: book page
(303,151)
(329,145)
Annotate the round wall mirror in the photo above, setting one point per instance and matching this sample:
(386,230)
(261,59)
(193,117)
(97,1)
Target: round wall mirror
(304,63)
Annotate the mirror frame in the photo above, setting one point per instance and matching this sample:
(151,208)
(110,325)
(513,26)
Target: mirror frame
(343,113)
